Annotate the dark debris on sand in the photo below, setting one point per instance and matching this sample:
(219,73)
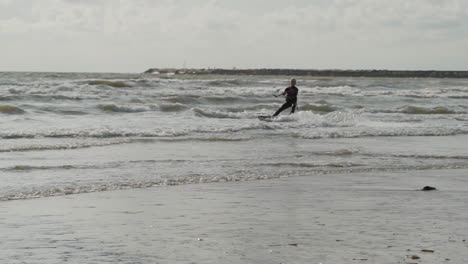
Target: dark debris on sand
(429,188)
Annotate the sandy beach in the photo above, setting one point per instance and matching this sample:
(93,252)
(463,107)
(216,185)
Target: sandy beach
(329,218)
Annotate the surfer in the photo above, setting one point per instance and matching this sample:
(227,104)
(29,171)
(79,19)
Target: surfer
(291,98)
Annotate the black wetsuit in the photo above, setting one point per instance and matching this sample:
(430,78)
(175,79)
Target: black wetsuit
(291,99)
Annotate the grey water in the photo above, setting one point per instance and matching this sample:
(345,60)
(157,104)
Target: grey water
(71,133)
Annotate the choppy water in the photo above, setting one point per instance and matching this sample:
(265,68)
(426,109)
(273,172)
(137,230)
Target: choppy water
(67,133)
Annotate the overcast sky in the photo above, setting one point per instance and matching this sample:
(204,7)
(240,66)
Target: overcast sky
(133,35)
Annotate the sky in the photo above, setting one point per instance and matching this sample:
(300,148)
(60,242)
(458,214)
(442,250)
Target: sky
(134,35)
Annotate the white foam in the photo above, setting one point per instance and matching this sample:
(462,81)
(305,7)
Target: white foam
(128,108)
(219,114)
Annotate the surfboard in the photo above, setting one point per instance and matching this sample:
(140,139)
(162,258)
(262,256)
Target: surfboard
(265,118)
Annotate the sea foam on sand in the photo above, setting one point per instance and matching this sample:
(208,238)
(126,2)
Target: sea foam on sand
(377,217)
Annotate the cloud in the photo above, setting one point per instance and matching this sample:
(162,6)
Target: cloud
(254,33)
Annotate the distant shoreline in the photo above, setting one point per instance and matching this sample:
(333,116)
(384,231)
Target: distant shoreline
(318,73)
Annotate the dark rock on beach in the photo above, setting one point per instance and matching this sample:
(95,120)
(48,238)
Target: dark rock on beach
(427,251)
(413,257)
(429,188)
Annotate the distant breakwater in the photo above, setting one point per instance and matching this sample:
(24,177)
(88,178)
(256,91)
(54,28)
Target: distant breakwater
(318,73)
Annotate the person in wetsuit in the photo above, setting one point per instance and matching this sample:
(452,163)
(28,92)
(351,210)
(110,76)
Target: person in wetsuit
(291,98)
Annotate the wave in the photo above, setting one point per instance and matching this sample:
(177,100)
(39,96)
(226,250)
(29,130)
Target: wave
(222,99)
(19,168)
(177,107)
(8,98)
(341,152)
(68,146)
(56,97)
(344,90)
(302,118)
(333,119)
(431,157)
(257,107)
(185,99)
(69,112)
(116,84)
(417,110)
(314,165)
(318,108)
(127,108)
(224,83)
(383,132)
(458,96)
(207,139)
(339,168)
(461,118)
(322,102)
(11,110)
(409,109)
(216,114)
(384,91)
(57,110)
(14,91)
(217,100)
(304,124)
(44,96)
(322,129)
(137,108)
(62,191)
(95,133)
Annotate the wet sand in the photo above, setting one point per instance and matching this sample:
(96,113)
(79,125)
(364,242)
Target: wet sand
(335,218)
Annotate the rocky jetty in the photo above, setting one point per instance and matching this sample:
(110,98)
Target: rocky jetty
(318,73)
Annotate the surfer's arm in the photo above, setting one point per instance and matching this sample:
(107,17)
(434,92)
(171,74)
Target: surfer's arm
(284,93)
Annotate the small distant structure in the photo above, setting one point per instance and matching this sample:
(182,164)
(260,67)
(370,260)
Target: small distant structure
(173,71)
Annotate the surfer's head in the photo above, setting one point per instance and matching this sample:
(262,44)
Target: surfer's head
(293,81)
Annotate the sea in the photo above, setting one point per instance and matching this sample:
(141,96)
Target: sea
(72,133)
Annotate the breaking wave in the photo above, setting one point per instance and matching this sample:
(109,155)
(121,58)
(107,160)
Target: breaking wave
(137,108)
(333,119)
(341,152)
(184,99)
(127,108)
(326,108)
(217,114)
(409,109)
(223,99)
(62,191)
(343,90)
(340,168)
(97,133)
(382,132)
(256,107)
